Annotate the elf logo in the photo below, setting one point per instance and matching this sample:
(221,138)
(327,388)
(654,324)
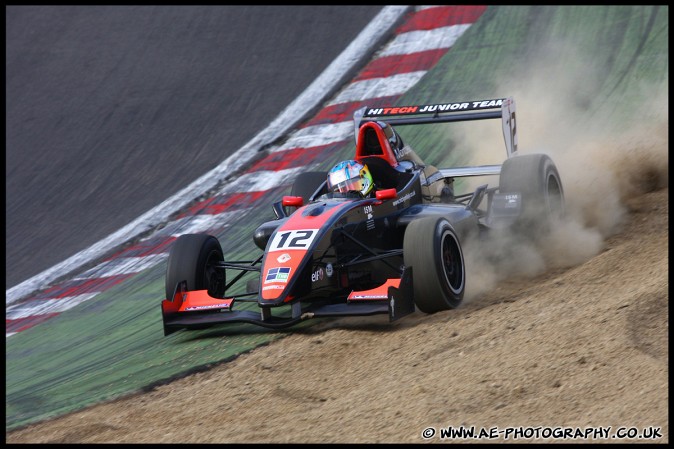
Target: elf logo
(317,275)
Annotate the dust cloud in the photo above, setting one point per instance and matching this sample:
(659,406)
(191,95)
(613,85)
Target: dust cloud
(603,159)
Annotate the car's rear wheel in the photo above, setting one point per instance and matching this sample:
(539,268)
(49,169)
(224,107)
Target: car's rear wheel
(432,248)
(307,183)
(537,179)
(192,258)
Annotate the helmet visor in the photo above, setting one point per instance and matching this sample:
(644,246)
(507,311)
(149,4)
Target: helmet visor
(353,184)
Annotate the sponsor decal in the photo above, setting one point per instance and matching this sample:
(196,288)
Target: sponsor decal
(367,210)
(283,258)
(486,104)
(512,198)
(444,107)
(404,198)
(441,107)
(328,270)
(296,239)
(368,296)
(508,201)
(392,306)
(393,111)
(273,287)
(279,274)
(402,152)
(317,275)
(212,306)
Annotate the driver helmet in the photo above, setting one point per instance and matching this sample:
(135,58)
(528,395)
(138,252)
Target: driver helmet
(350,176)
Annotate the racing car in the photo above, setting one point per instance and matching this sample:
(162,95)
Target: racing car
(334,252)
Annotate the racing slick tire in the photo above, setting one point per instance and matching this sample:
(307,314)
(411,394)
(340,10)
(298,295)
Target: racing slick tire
(537,179)
(431,247)
(191,259)
(307,183)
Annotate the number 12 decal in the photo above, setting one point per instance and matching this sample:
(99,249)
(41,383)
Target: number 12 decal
(297,239)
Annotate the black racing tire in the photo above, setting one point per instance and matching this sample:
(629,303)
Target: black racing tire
(191,259)
(537,179)
(307,183)
(432,248)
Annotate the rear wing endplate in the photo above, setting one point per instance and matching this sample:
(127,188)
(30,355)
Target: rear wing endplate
(503,108)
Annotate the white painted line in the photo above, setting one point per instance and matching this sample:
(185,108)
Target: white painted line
(314,95)
(199,223)
(378,87)
(416,41)
(318,135)
(46,306)
(262,180)
(122,265)
(422,7)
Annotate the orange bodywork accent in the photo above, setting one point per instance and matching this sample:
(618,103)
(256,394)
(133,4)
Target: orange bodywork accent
(376,294)
(287,258)
(272,290)
(194,301)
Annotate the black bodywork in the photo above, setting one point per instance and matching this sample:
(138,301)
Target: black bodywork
(336,254)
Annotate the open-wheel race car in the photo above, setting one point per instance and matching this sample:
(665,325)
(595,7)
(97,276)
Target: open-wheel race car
(379,234)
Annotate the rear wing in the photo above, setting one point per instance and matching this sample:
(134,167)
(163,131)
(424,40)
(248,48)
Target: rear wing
(503,108)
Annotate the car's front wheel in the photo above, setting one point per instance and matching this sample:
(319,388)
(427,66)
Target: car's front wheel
(432,248)
(193,258)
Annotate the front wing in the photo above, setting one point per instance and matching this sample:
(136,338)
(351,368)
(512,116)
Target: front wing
(197,309)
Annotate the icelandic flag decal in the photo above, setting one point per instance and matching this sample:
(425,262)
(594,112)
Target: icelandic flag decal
(280,274)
